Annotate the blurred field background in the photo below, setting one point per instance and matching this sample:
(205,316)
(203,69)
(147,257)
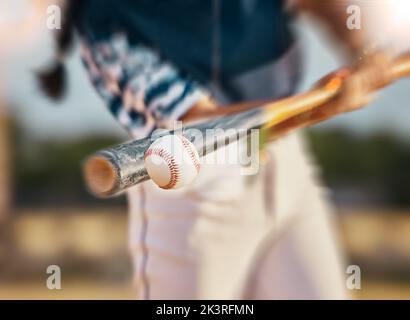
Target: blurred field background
(53,220)
(48,218)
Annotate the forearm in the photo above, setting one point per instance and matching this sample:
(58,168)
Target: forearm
(208,108)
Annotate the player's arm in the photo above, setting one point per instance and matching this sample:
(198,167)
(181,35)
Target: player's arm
(334,15)
(331,13)
(209,108)
(147,92)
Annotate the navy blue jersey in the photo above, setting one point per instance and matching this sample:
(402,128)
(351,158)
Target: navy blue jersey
(198,36)
(152,60)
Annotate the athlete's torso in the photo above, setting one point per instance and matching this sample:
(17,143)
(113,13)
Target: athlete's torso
(201,37)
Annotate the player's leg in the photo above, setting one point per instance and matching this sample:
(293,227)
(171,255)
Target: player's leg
(196,242)
(300,263)
(300,257)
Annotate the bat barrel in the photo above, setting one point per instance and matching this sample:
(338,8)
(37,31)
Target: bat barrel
(101,175)
(113,170)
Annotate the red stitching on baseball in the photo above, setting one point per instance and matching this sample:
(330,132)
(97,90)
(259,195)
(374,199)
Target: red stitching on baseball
(170,161)
(187,146)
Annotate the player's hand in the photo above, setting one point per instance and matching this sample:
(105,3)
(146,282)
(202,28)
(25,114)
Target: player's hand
(357,83)
(370,73)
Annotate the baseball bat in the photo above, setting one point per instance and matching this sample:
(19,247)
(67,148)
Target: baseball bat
(113,170)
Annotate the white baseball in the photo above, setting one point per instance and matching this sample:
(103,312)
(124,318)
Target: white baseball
(172,162)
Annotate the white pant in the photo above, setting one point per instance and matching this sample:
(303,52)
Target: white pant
(230,236)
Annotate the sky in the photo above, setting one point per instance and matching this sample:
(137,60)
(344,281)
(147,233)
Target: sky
(83,113)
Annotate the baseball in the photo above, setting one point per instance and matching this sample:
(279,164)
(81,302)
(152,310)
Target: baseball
(172,162)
